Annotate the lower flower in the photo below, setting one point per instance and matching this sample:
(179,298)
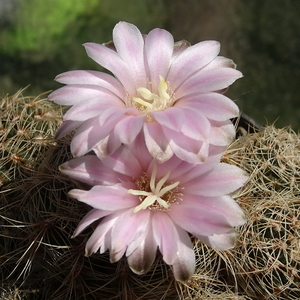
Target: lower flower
(144,206)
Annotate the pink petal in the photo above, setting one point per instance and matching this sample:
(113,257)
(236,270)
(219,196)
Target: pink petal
(191,60)
(141,259)
(172,118)
(129,44)
(140,151)
(89,218)
(111,60)
(196,126)
(220,241)
(220,62)
(208,80)
(198,220)
(158,50)
(212,105)
(223,205)
(165,236)
(123,161)
(124,133)
(89,134)
(89,169)
(223,179)
(128,128)
(184,263)
(170,165)
(185,148)
(179,47)
(101,238)
(156,142)
(107,197)
(73,94)
(222,133)
(82,77)
(86,110)
(128,227)
(66,127)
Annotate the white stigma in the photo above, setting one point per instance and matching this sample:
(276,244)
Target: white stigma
(156,193)
(153,101)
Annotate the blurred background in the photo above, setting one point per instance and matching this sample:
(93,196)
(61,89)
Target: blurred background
(40,39)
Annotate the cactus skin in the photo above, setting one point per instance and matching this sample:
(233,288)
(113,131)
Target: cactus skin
(266,261)
(27,125)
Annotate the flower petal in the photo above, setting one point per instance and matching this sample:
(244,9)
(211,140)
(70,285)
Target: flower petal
(128,227)
(88,134)
(91,170)
(220,241)
(111,61)
(184,263)
(101,238)
(75,94)
(66,127)
(185,148)
(172,118)
(89,218)
(156,141)
(196,125)
(165,235)
(123,161)
(129,44)
(191,60)
(223,205)
(159,45)
(107,197)
(128,128)
(208,80)
(223,179)
(199,220)
(101,79)
(141,259)
(212,105)
(222,133)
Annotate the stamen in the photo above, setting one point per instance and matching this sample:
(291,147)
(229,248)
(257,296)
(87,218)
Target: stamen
(150,101)
(142,102)
(145,93)
(162,89)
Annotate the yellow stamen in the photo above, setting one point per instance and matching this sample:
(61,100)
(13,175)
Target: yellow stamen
(142,102)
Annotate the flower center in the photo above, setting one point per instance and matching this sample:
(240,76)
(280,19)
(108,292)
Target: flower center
(153,102)
(156,195)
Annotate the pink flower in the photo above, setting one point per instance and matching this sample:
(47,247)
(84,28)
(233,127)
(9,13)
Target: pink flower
(171,92)
(144,206)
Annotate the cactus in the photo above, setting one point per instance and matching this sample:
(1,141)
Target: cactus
(266,261)
(27,125)
(39,260)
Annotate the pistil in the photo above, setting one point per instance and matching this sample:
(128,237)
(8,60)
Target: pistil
(156,193)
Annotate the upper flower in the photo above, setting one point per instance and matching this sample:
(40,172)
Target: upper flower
(145,206)
(171,92)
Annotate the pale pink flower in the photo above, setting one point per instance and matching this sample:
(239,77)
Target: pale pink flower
(144,206)
(171,92)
